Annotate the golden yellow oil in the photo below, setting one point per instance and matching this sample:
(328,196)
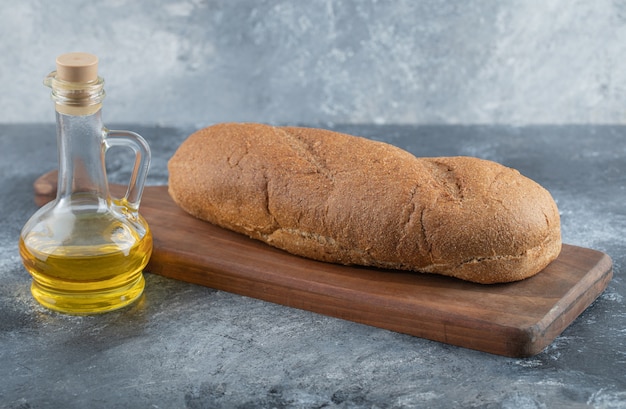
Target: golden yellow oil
(86,264)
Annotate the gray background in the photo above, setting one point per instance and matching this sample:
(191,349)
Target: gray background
(321,62)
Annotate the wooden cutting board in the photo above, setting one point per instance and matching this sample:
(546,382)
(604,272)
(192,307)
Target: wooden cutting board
(516,319)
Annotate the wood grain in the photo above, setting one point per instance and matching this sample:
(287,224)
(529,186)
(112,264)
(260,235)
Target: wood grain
(516,319)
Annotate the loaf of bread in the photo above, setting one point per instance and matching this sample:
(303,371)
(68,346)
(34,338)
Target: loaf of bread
(350,200)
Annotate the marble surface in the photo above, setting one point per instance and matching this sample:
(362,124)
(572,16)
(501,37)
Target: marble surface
(186,346)
(348,61)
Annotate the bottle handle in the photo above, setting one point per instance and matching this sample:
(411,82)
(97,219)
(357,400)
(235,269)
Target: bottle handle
(141,149)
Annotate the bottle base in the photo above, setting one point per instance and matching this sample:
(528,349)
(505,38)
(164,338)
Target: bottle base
(88,302)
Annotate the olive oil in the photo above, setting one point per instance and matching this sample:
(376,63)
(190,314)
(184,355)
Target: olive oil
(87,263)
(86,250)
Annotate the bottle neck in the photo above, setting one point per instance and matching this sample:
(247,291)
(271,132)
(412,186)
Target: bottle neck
(80,140)
(81,149)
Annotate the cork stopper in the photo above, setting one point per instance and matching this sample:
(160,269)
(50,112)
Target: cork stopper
(77,67)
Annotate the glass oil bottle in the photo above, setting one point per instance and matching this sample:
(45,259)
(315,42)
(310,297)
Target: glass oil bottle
(86,250)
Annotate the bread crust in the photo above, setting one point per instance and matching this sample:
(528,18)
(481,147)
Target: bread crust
(349,200)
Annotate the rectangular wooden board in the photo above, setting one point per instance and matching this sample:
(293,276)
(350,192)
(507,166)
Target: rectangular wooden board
(516,319)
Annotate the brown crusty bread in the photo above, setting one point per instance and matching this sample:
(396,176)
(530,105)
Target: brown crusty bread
(349,200)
